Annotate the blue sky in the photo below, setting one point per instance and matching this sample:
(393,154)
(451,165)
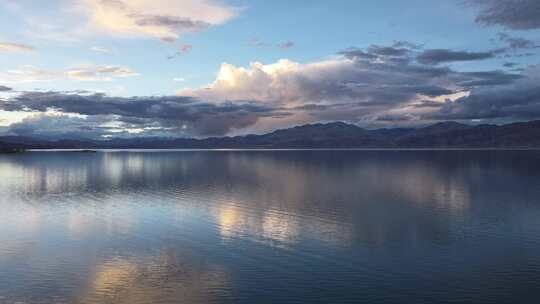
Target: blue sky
(177,49)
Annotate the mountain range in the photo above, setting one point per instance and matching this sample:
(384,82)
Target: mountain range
(320,135)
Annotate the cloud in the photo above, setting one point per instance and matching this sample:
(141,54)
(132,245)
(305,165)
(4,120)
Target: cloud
(5,89)
(283,45)
(182,50)
(373,87)
(97,73)
(363,77)
(185,48)
(163,19)
(428,104)
(355,53)
(517,43)
(358,85)
(101,49)
(437,56)
(49,125)
(286,45)
(510,64)
(257,42)
(486,78)
(407,44)
(519,100)
(388,50)
(171,115)
(10,47)
(398,51)
(512,14)
(81,73)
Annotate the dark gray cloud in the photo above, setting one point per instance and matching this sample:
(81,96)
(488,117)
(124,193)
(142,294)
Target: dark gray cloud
(522,55)
(426,78)
(517,43)
(400,49)
(510,64)
(437,56)
(173,22)
(387,76)
(383,87)
(286,45)
(357,54)
(63,126)
(407,44)
(517,101)
(175,113)
(485,78)
(512,14)
(5,89)
(394,118)
(388,50)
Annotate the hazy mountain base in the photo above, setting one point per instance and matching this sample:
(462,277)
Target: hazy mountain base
(329,135)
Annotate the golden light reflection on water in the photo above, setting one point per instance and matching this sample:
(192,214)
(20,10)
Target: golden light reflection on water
(426,187)
(113,275)
(229,221)
(275,228)
(168,277)
(280,227)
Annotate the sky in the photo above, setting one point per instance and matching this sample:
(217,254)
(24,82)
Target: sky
(197,68)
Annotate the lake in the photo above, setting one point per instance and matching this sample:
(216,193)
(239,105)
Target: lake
(270,227)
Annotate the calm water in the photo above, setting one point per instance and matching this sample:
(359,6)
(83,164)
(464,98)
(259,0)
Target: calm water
(270,227)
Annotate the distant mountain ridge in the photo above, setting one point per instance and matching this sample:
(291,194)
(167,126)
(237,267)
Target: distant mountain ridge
(321,135)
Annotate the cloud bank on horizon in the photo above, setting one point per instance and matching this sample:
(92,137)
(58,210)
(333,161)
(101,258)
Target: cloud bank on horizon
(76,83)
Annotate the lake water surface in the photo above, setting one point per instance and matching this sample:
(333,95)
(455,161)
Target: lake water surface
(270,227)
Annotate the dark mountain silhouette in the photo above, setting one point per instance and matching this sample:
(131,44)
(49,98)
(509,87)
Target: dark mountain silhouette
(329,135)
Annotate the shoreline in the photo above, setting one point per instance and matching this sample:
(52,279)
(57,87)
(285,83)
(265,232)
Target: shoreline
(276,149)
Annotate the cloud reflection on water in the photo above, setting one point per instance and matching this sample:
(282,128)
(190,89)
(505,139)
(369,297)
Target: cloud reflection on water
(158,227)
(170,276)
